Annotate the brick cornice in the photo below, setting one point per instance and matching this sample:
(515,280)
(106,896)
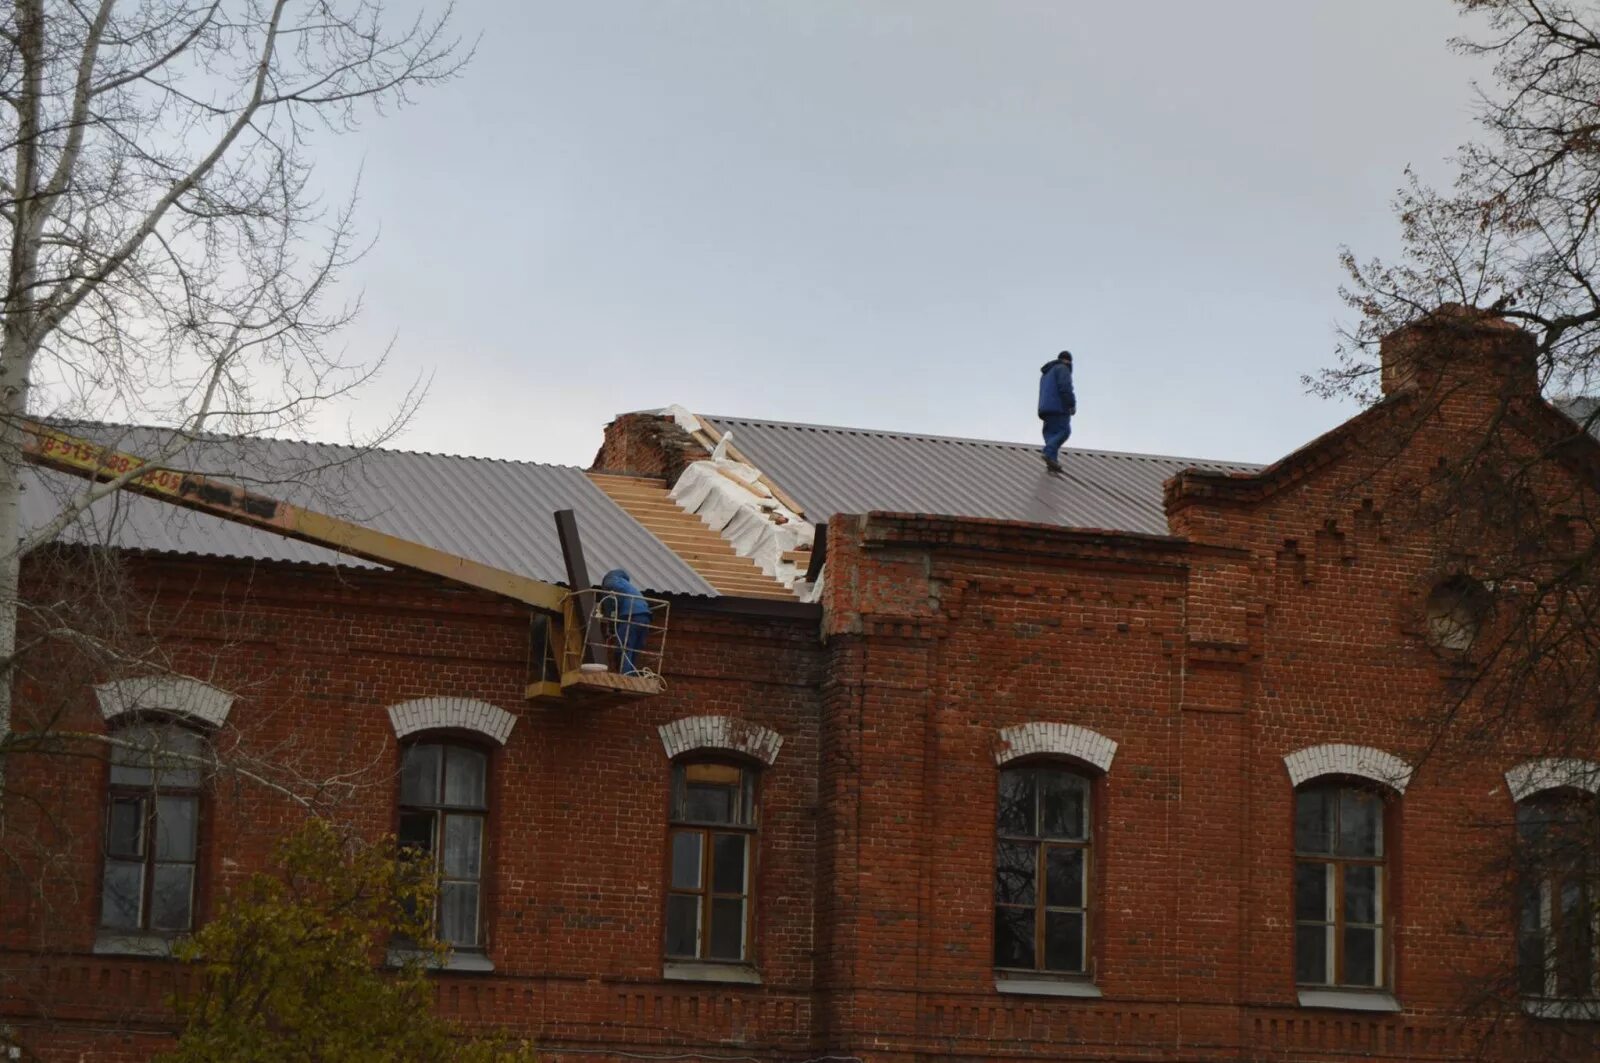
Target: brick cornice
(879,530)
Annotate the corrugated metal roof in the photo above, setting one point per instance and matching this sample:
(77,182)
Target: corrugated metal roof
(491,511)
(832,470)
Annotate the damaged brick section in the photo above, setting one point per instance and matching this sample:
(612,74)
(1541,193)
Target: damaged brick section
(646,444)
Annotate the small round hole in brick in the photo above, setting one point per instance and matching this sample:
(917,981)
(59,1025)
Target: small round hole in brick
(1456,611)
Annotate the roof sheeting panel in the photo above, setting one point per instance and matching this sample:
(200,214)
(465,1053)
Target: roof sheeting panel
(495,512)
(832,470)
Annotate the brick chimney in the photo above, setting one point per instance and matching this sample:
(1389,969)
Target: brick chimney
(1460,346)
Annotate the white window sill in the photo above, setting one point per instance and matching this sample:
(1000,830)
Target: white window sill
(1349,1000)
(132,943)
(475,962)
(1570,1010)
(1048,987)
(690,971)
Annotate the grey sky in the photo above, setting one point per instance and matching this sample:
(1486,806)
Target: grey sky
(888,214)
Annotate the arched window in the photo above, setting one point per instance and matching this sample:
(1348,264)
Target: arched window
(152,831)
(443,812)
(1042,870)
(1341,886)
(711,845)
(1556,921)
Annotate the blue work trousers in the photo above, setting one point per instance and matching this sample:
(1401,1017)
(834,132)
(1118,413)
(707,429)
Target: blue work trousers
(631,635)
(1057,430)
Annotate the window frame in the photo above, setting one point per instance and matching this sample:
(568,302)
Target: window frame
(1386,952)
(751,779)
(149,798)
(1548,880)
(444,740)
(1091,845)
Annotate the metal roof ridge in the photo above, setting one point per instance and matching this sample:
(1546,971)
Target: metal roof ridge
(926,437)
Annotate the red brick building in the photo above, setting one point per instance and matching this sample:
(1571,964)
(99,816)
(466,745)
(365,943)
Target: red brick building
(1123,764)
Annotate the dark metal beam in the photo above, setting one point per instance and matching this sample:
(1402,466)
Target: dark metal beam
(578,580)
(819,553)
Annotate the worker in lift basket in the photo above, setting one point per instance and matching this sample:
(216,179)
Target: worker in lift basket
(1057,404)
(629,613)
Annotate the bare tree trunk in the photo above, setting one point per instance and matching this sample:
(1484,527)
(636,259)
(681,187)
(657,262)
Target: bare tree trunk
(13,403)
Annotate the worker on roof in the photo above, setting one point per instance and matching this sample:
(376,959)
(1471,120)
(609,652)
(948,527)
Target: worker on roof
(629,613)
(1057,404)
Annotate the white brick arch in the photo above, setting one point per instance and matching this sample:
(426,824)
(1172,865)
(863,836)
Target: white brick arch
(1340,758)
(721,733)
(456,714)
(1058,739)
(1553,773)
(175,695)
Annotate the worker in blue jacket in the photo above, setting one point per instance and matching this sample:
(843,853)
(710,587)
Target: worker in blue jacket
(629,614)
(1057,404)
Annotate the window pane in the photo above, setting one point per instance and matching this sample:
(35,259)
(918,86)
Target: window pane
(1063,805)
(458,913)
(1360,823)
(686,859)
(1360,894)
(131,757)
(746,816)
(1015,813)
(1313,821)
(176,821)
(419,774)
(1063,941)
(710,802)
(179,754)
(727,930)
(1360,956)
(121,898)
(1311,892)
(1013,937)
(463,846)
(1532,819)
(1532,906)
(1574,957)
(171,896)
(1311,954)
(728,863)
(1064,877)
(416,832)
(683,925)
(1530,964)
(125,828)
(1014,872)
(464,772)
